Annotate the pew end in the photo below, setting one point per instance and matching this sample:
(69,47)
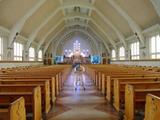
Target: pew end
(15,111)
(129,102)
(152,107)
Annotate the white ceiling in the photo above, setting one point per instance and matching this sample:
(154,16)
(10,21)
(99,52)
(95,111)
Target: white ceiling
(112,20)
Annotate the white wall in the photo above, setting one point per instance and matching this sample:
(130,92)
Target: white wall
(11,64)
(139,62)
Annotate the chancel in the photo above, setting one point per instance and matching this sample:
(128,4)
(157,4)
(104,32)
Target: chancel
(79,59)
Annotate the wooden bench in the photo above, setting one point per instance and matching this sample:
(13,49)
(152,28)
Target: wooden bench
(54,83)
(14,110)
(34,76)
(45,90)
(110,82)
(152,107)
(135,100)
(57,71)
(119,89)
(108,72)
(31,95)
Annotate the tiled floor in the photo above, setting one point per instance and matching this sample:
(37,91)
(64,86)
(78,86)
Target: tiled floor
(80,104)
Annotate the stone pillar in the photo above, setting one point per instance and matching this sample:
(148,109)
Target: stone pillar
(36,55)
(127,53)
(9,55)
(25,54)
(117,54)
(143,51)
(5,45)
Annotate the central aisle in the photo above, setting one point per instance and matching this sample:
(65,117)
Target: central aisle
(80,104)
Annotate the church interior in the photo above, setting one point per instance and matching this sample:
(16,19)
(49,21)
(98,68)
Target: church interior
(79,59)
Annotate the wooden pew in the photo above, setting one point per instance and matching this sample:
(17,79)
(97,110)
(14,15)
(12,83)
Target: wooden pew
(54,89)
(113,71)
(152,107)
(49,72)
(110,82)
(31,95)
(119,88)
(45,90)
(135,100)
(14,110)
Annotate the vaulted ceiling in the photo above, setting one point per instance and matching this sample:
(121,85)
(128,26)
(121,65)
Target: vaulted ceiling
(110,21)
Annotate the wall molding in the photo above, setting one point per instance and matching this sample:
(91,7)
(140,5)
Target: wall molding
(154,62)
(10,64)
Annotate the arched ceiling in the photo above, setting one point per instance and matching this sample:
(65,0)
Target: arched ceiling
(86,37)
(110,21)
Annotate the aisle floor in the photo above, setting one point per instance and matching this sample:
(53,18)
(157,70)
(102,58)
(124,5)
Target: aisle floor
(81,105)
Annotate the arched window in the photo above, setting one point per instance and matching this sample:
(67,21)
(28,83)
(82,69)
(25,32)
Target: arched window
(76,46)
(135,50)
(121,53)
(31,54)
(18,51)
(1,48)
(155,47)
(113,55)
(40,55)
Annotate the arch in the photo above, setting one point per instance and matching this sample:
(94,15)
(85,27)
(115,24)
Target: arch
(19,25)
(106,45)
(47,34)
(106,35)
(91,7)
(61,38)
(133,25)
(78,30)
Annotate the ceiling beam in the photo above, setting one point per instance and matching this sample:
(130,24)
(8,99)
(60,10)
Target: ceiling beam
(106,34)
(70,35)
(72,24)
(118,33)
(156,4)
(49,42)
(106,45)
(90,11)
(16,29)
(64,13)
(40,43)
(78,30)
(19,25)
(33,35)
(87,5)
(76,23)
(101,41)
(99,37)
(82,24)
(133,25)
(76,15)
(94,40)
(78,3)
